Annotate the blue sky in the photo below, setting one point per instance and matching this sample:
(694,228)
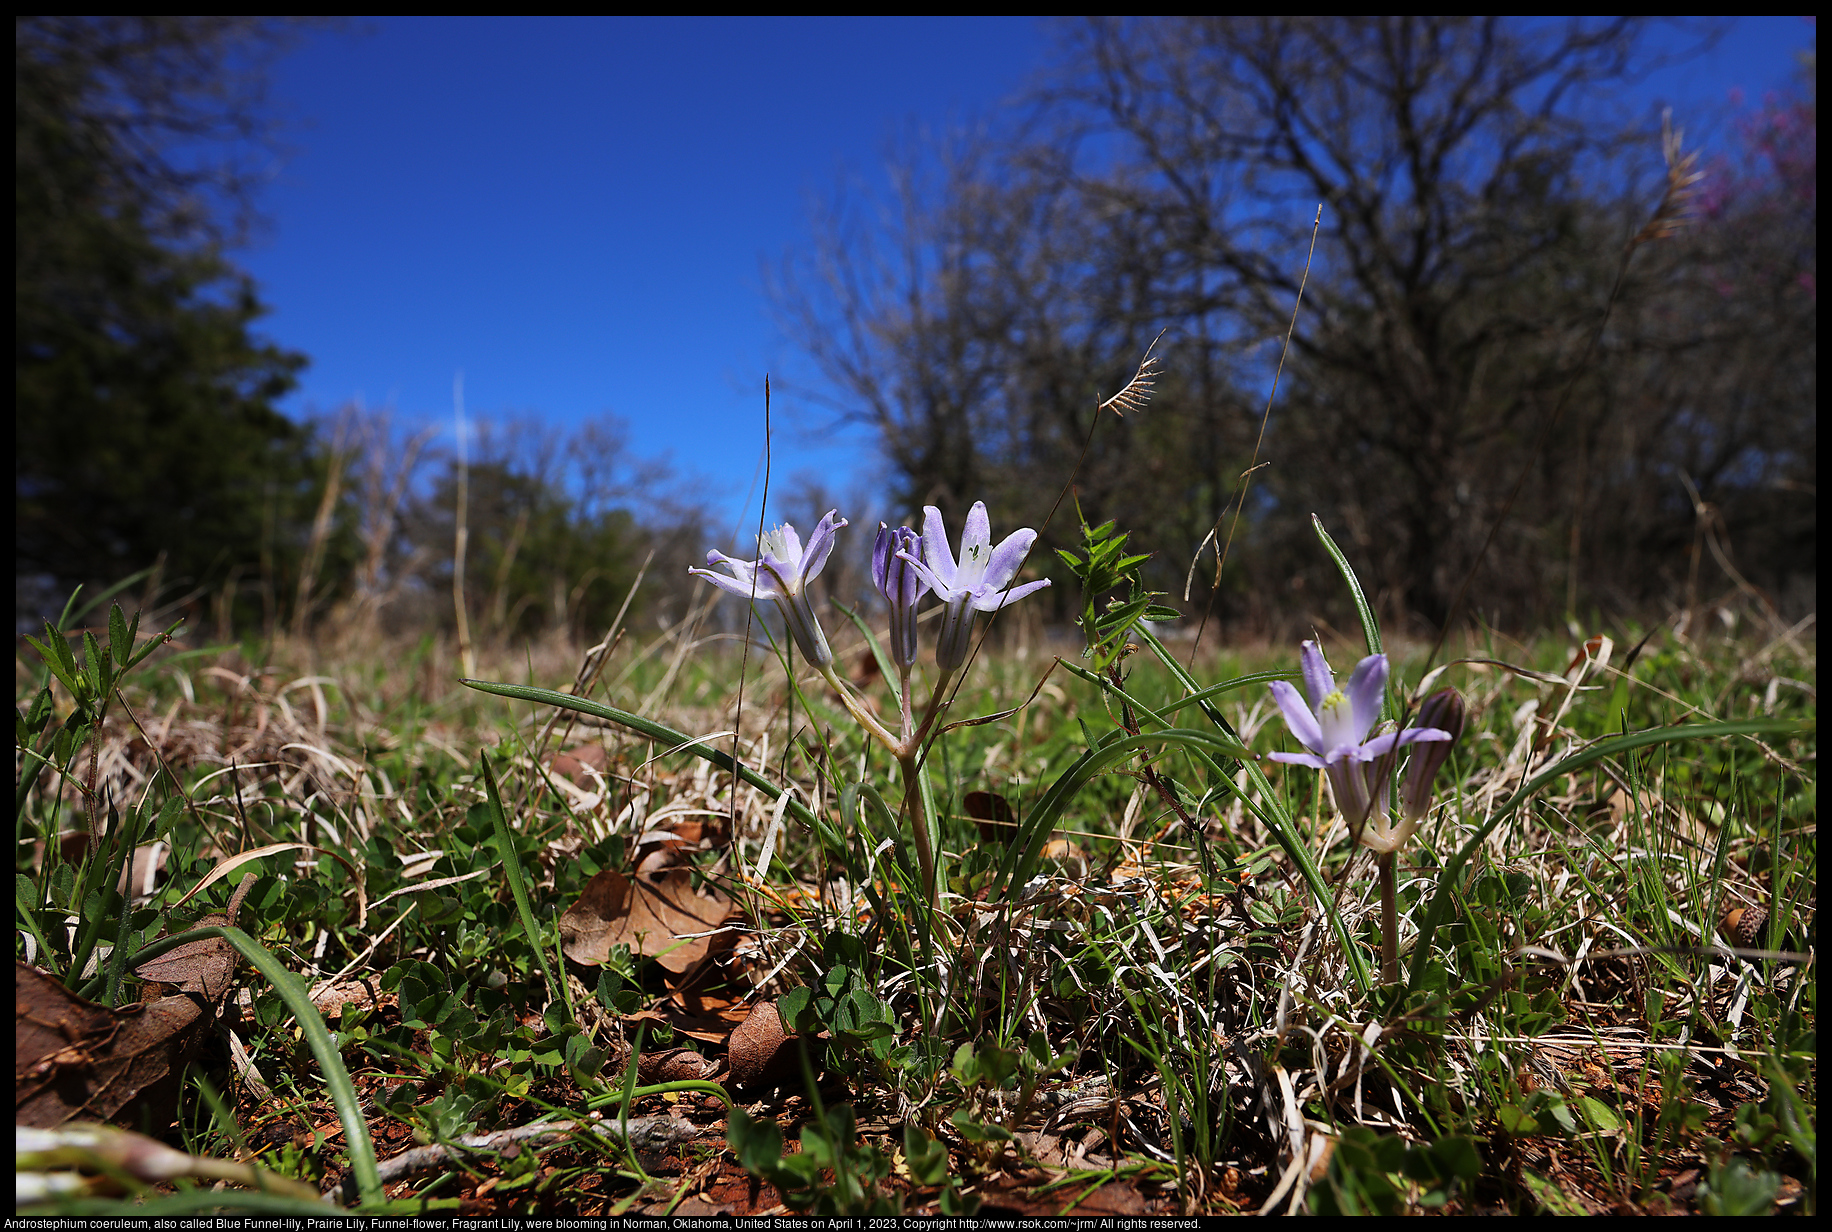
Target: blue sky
(576,213)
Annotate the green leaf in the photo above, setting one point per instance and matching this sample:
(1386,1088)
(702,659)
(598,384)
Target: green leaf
(1550,1196)
(756,1143)
(152,643)
(976,1131)
(1517,1121)
(1370,628)
(966,1065)
(1737,1189)
(96,667)
(37,716)
(795,1009)
(56,655)
(1458,1157)
(1599,1114)
(120,641)
(927,1158)
(956,1204)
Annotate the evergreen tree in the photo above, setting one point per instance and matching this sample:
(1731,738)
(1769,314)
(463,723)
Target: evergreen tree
(146,418)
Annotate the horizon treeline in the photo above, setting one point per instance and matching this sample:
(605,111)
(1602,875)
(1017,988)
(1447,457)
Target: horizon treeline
(148,439)
(1477,187)
(1486,193)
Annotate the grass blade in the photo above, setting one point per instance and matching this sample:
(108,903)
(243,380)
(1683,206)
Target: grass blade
(512,868)
(1370,628)
(317,1037)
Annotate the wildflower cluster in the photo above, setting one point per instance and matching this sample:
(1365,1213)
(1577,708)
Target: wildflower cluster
(905,567)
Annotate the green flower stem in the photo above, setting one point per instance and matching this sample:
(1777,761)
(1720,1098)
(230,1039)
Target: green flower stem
(908,752)
(921,826)
(863,717)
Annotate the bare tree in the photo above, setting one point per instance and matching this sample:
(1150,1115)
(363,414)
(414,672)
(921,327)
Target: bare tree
(1478,180)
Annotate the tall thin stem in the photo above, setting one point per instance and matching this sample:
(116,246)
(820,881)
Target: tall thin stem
(918,812)
(1389,917)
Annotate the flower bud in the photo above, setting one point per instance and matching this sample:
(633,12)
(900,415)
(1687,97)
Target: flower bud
(901,585)
(1443,711)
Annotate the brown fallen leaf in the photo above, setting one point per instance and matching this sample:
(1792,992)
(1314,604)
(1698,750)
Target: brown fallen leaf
(78,1059)
(997,820)
(653,916)
(763,1054)
(56,1036)
(577,763)
(203,967)
(674,1065)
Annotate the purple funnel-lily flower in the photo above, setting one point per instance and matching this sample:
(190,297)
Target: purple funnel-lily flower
(901,585)
(979,583)
(1337,734)
(781,573)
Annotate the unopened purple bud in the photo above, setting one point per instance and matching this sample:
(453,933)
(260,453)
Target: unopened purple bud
(901,585)
(1443,711)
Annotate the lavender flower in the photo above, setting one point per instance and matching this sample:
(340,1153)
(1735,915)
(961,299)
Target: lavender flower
(978,584)
(901,585)
(781,573)
(1337,735)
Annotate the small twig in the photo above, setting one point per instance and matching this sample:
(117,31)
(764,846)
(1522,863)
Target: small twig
(643,1133)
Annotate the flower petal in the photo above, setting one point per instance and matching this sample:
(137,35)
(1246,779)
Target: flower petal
(976,547)
(820,545)
(895,578)
(943,591)
(1006,559)
(990,599)
(1366,690)
(883,551)
(1380,746)
(935,552)
(1319,681)
(781,547)
(1299,759)
(742,587)
(1298,718)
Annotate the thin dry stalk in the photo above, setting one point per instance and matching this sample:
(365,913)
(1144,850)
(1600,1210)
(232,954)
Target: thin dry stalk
(462,537)
(321,525)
